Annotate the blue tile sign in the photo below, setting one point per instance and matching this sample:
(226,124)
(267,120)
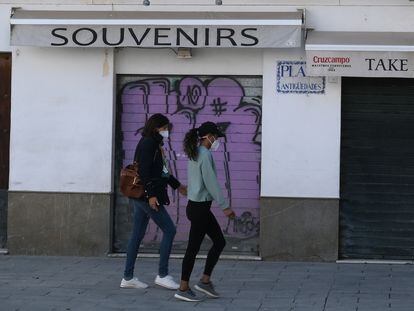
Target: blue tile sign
(292,79)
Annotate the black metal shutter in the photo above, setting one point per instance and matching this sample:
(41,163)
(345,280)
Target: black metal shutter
(377,169)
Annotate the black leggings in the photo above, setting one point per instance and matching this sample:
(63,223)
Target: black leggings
(202,222)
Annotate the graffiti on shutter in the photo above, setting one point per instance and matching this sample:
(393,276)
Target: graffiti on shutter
(234,103)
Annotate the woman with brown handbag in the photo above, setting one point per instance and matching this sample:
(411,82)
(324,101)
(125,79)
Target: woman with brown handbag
(155,176)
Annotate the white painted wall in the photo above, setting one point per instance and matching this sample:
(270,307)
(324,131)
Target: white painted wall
(204,62)
(62,104)
(300,137)
(361,18)
(61,120)
(4,28)
(226,3)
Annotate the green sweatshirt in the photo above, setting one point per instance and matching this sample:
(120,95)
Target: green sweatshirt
(202,179)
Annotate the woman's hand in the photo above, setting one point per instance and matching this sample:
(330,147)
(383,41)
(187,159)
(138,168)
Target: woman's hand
(182,190)
(153,202)
(229,213)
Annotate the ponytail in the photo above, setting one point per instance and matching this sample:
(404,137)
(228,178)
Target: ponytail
(191,144)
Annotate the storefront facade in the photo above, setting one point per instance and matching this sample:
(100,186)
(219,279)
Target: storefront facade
(376,214)
(80,95)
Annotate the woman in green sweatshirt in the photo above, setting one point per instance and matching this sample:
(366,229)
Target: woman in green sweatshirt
(203,188)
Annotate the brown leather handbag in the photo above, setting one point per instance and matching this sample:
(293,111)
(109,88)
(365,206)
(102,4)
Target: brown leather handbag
(130,184)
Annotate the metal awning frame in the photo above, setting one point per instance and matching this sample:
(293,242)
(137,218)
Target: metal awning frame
(135,18)
(360,41)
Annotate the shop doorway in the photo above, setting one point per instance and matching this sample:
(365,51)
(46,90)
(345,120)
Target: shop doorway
(377,169)
(232,102)
(5,89)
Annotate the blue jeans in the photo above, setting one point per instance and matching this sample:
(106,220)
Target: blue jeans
(142,213)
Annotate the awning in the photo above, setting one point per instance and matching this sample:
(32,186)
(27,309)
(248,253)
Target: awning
(156,29)
(360,54)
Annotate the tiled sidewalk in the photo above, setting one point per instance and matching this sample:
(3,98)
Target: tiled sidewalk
(73,283)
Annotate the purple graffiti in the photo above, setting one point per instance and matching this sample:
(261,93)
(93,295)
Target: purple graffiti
(233,103)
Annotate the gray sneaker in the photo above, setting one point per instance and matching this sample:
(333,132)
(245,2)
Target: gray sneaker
(207,289)
(187,295)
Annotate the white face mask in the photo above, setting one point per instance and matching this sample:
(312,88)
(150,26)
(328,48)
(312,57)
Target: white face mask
(165,134)
(214,145)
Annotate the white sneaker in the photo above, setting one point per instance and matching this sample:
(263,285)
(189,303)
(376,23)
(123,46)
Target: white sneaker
(133,283)
(167,282)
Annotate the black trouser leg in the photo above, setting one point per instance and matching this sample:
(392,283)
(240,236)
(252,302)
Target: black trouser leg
(196,213)
(194,242)
(216,235)
(202,222)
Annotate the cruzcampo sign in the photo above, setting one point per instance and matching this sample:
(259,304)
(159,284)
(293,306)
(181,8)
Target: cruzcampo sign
(360,64)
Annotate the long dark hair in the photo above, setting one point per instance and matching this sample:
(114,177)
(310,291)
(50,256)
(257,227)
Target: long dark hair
(191,144)
(153,123)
